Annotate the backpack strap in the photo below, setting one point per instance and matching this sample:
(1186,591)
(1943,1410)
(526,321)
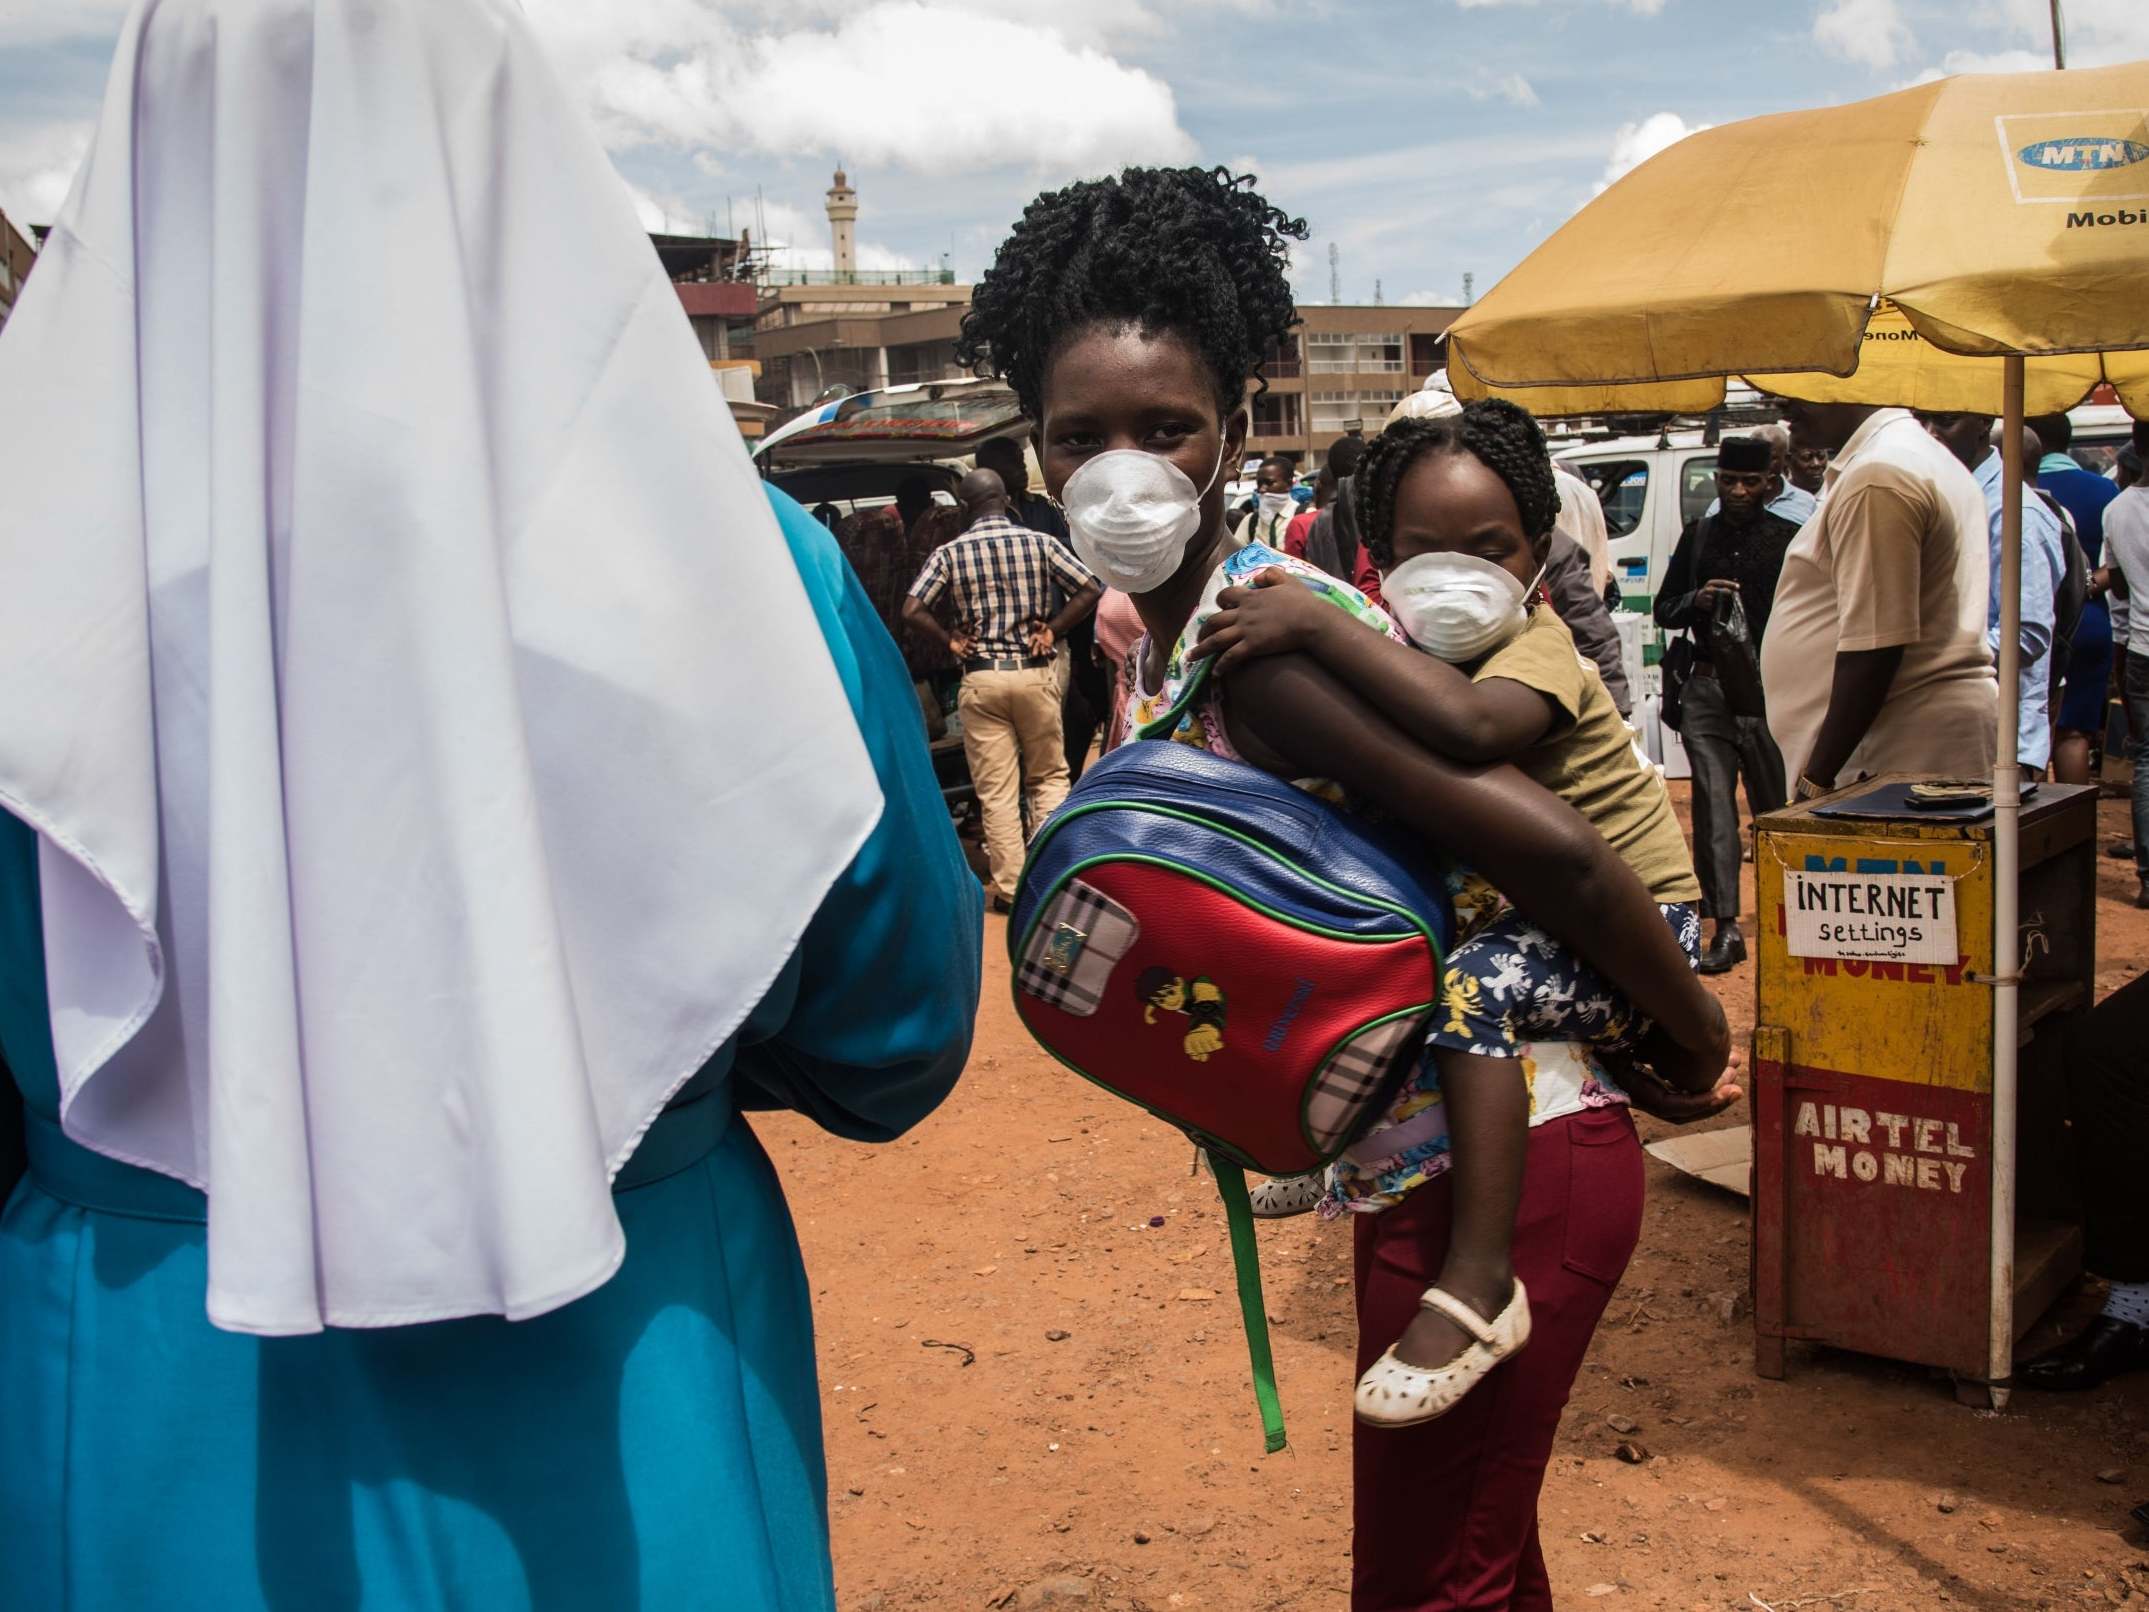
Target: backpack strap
(1162,727)
(1246,1264)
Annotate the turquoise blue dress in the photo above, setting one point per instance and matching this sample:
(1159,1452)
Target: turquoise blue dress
(656,1445)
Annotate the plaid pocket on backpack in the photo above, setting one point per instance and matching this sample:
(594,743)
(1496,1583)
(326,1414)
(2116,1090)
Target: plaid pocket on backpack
(1358,1074)
(1073,947)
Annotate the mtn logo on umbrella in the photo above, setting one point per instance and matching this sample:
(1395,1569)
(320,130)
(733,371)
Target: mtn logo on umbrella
(2073,158)
(2082,153)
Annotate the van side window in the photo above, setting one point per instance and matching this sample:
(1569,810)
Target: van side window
(1622,487)
(1697,488)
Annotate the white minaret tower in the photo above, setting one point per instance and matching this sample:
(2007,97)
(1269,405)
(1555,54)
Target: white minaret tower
(842,214)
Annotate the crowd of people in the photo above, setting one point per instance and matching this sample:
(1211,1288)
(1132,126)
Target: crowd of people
(399,910)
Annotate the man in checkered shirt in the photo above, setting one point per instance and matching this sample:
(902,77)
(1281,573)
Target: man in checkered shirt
(1016,594)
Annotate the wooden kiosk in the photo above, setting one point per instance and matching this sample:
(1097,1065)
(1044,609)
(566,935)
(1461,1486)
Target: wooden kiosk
(1876,1147)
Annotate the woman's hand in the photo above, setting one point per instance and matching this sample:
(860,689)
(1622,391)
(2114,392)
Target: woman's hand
(1691,1063)
(1274,616)
(1647,1087)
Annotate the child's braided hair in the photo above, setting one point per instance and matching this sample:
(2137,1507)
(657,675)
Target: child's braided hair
(1195,251)
(1504,438)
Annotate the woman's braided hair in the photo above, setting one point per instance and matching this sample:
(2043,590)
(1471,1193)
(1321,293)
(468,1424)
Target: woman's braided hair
(1504,438)
(1195,251)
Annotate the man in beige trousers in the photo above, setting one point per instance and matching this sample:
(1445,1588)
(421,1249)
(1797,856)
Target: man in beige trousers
(1016,593)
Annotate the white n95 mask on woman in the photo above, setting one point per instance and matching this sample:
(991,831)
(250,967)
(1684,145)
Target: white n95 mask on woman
(1130,513)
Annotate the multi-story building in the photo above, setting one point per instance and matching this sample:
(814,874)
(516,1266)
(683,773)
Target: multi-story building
(1347,366)
(845,326)
(1345,369)
(709,273)
(712,277)
(857,328)
(16,256)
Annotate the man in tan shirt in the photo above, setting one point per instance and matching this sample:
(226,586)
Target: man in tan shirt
(1875,659)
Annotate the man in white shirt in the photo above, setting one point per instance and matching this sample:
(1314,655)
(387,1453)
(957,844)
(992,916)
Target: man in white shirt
(1974,440)
(1875,659)
(2126,550)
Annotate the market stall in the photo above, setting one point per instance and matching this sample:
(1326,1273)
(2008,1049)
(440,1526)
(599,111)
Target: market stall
(1964,245)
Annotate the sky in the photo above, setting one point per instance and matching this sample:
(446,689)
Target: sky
(1423,139)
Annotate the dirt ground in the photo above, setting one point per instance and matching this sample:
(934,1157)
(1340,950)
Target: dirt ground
(1101,1448)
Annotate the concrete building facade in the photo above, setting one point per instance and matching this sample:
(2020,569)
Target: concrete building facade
(1347,366)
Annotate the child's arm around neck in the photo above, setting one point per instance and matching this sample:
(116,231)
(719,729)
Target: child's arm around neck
(1435,703)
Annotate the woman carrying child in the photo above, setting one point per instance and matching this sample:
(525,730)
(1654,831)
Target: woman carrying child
(1127,313)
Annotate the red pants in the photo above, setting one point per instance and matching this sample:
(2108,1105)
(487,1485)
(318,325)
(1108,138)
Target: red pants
(1445,1513)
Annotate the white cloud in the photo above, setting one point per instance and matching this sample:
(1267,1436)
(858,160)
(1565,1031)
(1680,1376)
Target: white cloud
(799,239)
(37,165)
(924,85)
(1512,87)
(649,22)
(856,79)
(2098,33)
(1636,143)
(1641,8)
(1998,61)
(1871,33)
(661,215)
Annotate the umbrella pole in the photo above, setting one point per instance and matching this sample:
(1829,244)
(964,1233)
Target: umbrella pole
(2006,896)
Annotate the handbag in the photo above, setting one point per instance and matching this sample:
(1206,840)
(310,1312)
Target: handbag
(1238,957)
(1673,669)
(1738,665)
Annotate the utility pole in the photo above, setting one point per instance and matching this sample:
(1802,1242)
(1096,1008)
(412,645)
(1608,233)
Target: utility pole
(1335,273)
(2059,38)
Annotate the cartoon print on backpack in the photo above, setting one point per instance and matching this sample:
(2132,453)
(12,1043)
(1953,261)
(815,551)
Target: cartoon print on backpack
(1199,999)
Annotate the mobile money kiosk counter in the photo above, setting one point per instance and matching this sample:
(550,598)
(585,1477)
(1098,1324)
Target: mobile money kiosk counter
(1876,1148)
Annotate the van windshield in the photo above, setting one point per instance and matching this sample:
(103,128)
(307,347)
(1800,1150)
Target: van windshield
(1697,488)
(1622,487)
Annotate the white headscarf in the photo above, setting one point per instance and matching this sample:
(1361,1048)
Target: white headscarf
(432,748)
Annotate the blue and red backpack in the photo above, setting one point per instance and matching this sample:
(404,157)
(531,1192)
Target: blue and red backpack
(1245,961)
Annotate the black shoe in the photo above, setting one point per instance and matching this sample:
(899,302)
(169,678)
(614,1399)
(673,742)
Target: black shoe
(2120,850)
(1003,906)
(2104,1350)
(2141,896)
(1725,952)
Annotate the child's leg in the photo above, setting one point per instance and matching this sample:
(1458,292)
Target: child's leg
(1488,1109)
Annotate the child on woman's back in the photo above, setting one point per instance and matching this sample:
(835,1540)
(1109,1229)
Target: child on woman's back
(1457,512)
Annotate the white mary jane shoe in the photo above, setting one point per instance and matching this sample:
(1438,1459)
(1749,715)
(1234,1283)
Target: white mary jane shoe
(1392,1394)
(1288,1195)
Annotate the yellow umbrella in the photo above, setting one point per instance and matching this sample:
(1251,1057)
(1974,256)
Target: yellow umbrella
(2002,214)
(1896,365)
(2000,218)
